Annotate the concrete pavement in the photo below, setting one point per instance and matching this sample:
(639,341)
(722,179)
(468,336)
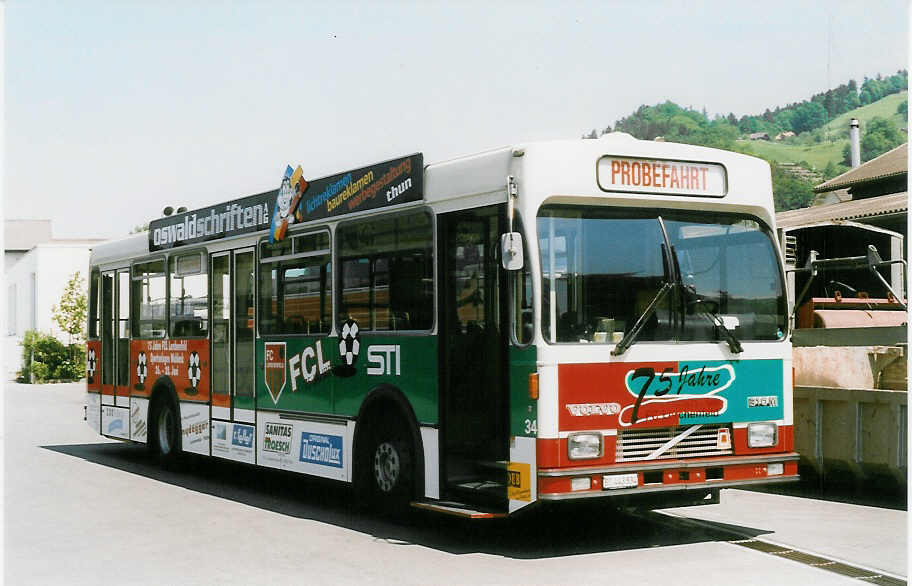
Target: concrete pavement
(80,509)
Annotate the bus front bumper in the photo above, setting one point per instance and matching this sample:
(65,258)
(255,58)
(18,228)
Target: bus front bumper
(669,476)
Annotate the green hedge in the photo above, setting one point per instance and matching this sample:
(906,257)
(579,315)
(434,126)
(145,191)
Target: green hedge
(45,358)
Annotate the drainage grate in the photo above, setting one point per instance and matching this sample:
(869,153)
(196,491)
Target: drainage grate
(869,576)
(805,558)
(762,546)
(851,571)
(885,581)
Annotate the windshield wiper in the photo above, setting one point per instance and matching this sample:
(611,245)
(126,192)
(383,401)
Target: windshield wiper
(668,284)
(698,303)
(630,336)
(696,300)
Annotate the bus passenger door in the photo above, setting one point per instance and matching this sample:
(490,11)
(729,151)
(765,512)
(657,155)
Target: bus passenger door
(107,338)
(473,356)
(231,361)
(122,337)
(244,331)
(220,360)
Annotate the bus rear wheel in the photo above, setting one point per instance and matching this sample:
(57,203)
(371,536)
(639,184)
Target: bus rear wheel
(166,433)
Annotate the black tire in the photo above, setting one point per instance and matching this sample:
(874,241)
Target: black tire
(165,433)
(386,461)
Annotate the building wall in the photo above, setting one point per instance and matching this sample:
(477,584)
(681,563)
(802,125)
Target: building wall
(33,286)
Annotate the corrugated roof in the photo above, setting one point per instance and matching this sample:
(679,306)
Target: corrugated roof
(895,203)
(889,164)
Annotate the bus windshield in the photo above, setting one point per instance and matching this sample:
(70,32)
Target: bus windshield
(602,268)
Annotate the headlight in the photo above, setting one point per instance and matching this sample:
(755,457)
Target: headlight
(761,435)
(584,445)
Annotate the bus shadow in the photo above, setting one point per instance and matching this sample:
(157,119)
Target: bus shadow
(545,532)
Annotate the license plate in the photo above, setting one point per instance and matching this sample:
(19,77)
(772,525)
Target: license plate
(774,469)
(614,481)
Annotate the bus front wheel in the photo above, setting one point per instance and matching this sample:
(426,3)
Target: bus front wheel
(387,469)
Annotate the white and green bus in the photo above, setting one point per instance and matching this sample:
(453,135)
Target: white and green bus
(542,322)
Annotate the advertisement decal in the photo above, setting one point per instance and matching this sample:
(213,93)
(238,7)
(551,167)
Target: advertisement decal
(239,216)
(115,421)
(233,441)
(274,371)
(322,449)
(93,366)
(297,200)
(277,438)
(185,362)
(195,428)
(665,394)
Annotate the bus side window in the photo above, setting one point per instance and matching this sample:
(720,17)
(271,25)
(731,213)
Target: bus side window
(295,285)
(94,305)
(107,328)
(521,296)
(189,296)
(148,303)
(387,273)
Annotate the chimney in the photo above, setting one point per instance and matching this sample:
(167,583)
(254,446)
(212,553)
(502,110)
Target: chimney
(854,145)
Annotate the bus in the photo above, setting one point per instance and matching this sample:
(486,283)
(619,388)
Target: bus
(549,321)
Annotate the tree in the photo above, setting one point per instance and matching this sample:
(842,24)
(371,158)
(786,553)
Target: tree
(140,228)
(880,136)
(70,313)
(790,192)
(808,116)
(833,169)
(903,109)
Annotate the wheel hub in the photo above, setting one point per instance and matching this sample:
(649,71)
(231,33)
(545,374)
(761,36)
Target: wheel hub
(386,466)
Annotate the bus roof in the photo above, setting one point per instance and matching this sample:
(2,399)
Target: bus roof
(567,168)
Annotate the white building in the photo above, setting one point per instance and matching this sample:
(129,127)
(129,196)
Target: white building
(36,270)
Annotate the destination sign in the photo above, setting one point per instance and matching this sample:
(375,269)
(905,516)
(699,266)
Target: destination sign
(367,188)
(662,176)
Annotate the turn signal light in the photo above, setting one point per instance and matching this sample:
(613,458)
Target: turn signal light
(533,386)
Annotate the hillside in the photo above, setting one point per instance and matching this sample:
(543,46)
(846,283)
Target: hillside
(884,107)
(819,154)
(818,147)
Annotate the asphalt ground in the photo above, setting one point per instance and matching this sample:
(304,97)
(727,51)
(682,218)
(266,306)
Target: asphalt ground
(82,509)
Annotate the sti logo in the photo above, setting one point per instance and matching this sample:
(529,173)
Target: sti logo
(242,435)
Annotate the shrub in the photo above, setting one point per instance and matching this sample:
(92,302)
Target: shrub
(44,358)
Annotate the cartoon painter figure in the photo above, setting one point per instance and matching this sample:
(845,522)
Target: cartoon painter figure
(286,212)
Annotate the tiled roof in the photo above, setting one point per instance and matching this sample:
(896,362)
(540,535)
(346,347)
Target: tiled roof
(894,203)
(889,164)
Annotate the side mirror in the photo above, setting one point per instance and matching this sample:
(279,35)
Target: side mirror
(511,251)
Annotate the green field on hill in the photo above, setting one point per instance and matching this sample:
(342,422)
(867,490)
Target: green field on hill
(884,107)
(818,155)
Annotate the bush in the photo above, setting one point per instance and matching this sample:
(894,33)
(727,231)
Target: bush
(45,358)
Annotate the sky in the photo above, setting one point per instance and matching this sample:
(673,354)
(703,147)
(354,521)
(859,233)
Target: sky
(114,110)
